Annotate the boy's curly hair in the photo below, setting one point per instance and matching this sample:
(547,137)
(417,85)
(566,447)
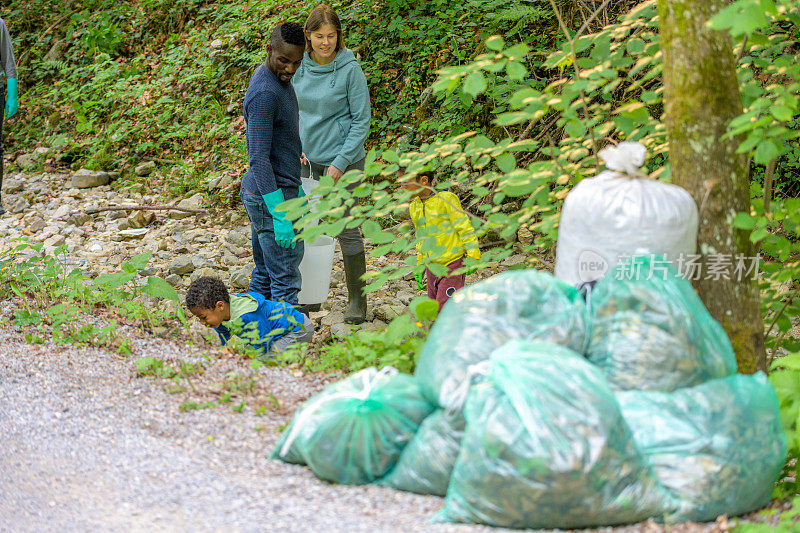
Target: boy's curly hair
(205,292)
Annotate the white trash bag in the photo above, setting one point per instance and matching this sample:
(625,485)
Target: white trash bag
(622,212)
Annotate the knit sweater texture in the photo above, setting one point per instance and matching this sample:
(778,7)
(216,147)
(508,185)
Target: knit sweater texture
(273,137)
(7,63)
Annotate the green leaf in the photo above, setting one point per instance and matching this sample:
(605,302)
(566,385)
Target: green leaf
(129,268)
(139,261)
(758,234)
(372,230)
(516,71)
(424,308)
(766,151)
(390,156)
(495,42)
(158,288)
(781,112)
(474,84)
(635,46)
(506,162)
(744,221)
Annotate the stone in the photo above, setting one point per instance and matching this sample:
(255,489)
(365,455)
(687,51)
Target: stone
(79,219)
(205,271)
(181,266)
(388,312)
(13,186)
(74,193)
(239,237)
(337,277)
(24,161)
(336,317)
(20,206)
(174,280)
(134,233)
(217,43)
(240,279)
(524,236)
(145,169)
(55,240)
(375,325)
(115,215)
(193,202)
(84,178)
(41,152)
(406,296)
(341,330)
(514,260)
(62,213)
(96,247)
(36,225)
(123,224)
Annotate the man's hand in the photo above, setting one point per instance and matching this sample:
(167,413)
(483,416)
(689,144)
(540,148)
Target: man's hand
(284,234)
(335,173)
(303,159)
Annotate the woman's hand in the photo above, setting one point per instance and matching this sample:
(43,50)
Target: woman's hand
(335,173)
(303,159)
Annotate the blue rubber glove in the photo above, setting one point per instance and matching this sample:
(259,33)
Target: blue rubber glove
(12,104)
(284,234)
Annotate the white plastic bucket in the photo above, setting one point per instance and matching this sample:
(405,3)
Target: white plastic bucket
(308,185)
(315,269)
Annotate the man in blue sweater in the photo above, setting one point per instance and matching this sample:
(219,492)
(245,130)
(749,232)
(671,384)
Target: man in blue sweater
(273,146)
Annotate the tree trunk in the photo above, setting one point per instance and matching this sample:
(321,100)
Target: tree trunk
(701,98)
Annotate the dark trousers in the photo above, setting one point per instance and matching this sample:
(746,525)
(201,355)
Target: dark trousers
(350,239)
(277,270)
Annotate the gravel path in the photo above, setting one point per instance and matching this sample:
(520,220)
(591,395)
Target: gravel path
(87,445)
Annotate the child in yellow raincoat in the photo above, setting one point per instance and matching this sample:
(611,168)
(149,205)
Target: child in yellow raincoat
(438,215)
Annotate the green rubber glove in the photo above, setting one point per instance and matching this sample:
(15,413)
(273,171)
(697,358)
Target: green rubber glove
(284,234)
(12,104)
(419,275)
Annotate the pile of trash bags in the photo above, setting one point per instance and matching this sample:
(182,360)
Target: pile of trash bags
(534,407)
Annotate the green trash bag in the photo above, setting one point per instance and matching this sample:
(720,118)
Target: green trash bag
(354,430)
(718,448)
(425,465)
(546,447)
(520,304)
(650,331)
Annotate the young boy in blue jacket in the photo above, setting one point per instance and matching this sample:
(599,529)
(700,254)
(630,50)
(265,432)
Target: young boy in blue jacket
(275,325)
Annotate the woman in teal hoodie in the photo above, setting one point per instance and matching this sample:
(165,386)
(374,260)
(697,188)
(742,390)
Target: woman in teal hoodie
(334,106)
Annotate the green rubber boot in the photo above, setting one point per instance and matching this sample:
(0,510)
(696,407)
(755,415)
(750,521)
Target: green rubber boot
(354,267)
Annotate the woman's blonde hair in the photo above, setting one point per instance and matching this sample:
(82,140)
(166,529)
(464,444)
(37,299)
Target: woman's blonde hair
(323,14)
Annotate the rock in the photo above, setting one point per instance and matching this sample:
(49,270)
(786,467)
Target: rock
(174,280)
(524,236)
(205,271)
(239,237)
(145,169)
(41,152)
(74,193)
(240,279)
(217,43)
(388,312)
(96,247)
(341,330)
(405,296)
(84,178)
(24,161)
(337,277)
(199,236)
(135,233)
(181,266)
(13,186)
(193,202)
(79,219)
(62,213)
(55,240)
(375,325)
(123,224)
(232,109)
(20,206)
(36,225)
(115,215)
(514,260)
(336,317)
